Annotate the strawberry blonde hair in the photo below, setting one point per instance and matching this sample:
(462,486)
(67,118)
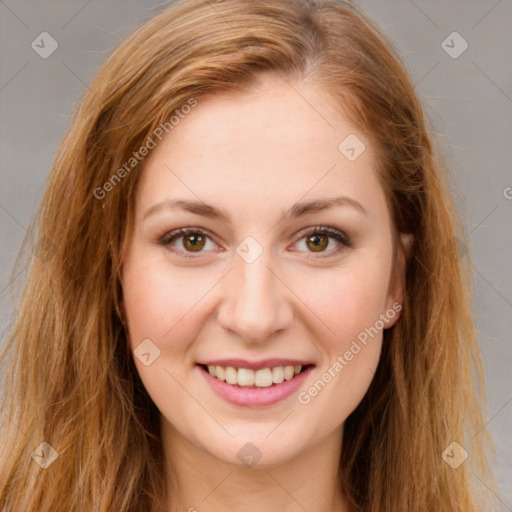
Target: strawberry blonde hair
(70,379)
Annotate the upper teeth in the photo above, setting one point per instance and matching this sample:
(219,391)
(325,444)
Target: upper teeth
(261,378)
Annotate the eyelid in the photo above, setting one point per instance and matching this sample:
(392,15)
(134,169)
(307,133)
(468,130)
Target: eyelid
(166,239)
(342,239)
(337,234)
(340,236)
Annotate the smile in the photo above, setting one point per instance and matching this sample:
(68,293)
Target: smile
(249,384)
(246,377)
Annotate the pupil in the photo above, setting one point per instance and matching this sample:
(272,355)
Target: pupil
(193,242)
(318,241)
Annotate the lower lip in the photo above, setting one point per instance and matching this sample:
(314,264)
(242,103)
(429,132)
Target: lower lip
(252,397)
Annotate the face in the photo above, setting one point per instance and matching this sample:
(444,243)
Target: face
(281,283)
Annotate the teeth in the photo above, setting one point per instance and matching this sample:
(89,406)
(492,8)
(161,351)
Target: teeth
(245,377)
(231,375)
(262,378)
(289,372)
(220,371)
(277,374)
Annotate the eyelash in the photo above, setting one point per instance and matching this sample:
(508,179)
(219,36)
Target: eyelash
(339,236)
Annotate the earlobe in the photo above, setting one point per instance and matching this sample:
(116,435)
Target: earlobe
(406,240)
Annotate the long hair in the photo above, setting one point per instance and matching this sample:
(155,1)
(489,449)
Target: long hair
(69,376)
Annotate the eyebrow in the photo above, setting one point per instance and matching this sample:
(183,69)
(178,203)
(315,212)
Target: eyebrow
(297,210)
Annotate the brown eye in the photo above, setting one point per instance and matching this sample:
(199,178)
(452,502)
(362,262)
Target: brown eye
(324,241)
(194,242)
(317,243)
(187,242)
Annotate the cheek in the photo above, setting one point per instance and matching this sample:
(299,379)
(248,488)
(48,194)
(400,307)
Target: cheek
(345,301)
(348,305)
(159,304)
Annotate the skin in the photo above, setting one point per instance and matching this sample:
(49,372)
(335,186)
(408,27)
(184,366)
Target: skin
(276,147)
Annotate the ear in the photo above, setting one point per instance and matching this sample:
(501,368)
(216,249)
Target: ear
(397,281)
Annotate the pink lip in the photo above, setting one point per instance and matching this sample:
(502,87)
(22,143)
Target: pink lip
(253,397)
(256,365)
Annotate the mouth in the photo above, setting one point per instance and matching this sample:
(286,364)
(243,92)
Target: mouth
(257,377)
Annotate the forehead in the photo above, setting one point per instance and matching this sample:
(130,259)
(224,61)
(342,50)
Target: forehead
(278,119)
(271,147)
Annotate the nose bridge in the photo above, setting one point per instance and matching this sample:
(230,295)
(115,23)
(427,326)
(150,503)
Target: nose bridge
(254,303)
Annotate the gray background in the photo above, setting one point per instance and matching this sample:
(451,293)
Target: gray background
(469,98)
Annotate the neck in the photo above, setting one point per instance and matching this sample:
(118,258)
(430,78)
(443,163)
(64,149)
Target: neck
(199,482)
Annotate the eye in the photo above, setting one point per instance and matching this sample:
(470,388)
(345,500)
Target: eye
(320,238)
(193,240)
(187,241)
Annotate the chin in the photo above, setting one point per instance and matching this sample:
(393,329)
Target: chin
(259,448)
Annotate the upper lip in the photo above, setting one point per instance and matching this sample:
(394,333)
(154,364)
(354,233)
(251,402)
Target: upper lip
(256,365)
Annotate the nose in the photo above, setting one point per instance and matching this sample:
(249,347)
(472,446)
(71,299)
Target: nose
(256,304)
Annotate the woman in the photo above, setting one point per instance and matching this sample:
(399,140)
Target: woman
(246,292)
